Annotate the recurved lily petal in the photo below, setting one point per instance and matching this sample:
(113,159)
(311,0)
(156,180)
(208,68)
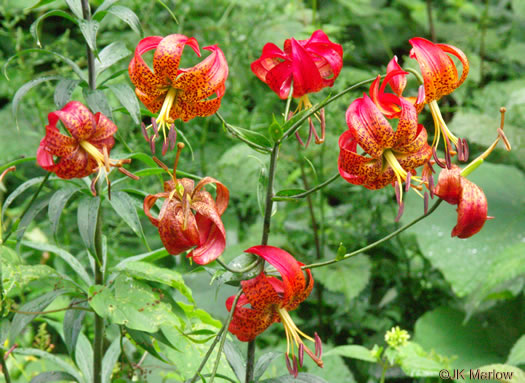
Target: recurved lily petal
(438,69)
(369,127)
(178,232)
(140,73)
(56,143)
(77,119)
(168,52)
(398,82)
(271,56)
(204,79)
(306,76)
(407,127)
(472,203)
(189,110)
(223,194)
(355,168)
(260,292)
(412,160)
(247,323)
(420,140)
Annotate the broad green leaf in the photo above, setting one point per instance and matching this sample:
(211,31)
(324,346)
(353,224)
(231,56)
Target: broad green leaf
(110,55)
(33,29)
(53,376)
(84,357)
(353,352)
(29,216)
(56,205)
(21,92)
(147,342)
(68,61)
(128,16)
(357,270)
(123,205)
(415,362)
(263,362)
(141,310)
(262,185)
(149,272)
(36,305)
(73,320)
(67,257)
(500,372)
(53,358)
(104,6)
(302,377)
(250,137)
(110,359)
(478,266)
(64,90)
(443,331)
(87,216)
(97,102)
(19,190)
(128,99)
(517,353)
(76,7)
(151,256)
(41,3)
(235,359)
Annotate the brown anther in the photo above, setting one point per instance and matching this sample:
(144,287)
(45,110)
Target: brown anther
(425,202)
(106,158)
(448,160)
(109,188)
(301,354)
(172,136)
(318,346)
(128,173)
(152,145)
(180,146)
(161,164)
(397,188)
(438,161)
(155,128)
(144,131)
(430,181)
(92,187)
(295,366)
(465,150)
(459,147)
(165,146)
(400,211)
(288,364)
(125,161)
(407,182)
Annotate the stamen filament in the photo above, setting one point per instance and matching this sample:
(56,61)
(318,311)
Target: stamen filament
(163,120)
(440,124)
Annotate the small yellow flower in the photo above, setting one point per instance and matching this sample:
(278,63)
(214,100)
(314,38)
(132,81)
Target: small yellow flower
(397,337)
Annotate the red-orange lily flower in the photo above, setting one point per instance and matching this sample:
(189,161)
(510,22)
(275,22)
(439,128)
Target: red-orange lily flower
(180,229)
(270,301)
(440,78)
(87,147)
(178,92)
(392,157)
(472,203)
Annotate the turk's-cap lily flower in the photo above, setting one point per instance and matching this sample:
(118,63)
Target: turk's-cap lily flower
(472,203)
(440,78)
(86,148)
(311,64)
(393,155)
(174,92)
(180,228)
(267,299)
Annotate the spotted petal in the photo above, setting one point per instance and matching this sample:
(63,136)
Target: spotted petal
(139,72)
(77,119)
(167,56)
(247,323)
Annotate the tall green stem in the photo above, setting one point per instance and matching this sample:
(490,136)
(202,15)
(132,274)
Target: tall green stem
(5,371)
(98,341)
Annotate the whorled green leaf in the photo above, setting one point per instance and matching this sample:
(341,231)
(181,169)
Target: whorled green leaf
(110,360)
(110,55)
(98,102)
(128,16)
(56,205)
(19,190)
(33,29)
(76,7)
(84,357)
(122,203)
(21,92)
(53,376)
(67,367)
(73,320)
(68,61)
(87,216)
(147,271)
(36,305)
(73,262)
(64,90)
(128,99)
(235,359)
(141,310)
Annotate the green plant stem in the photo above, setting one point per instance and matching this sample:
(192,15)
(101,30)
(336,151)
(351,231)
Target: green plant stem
(241,270)
(35,195)
(16,162)
(378,242)
(86,13)
(383,373)
(432,30)
(218,337)
(318,107)
(5,371)
(484,23)
(309,191)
